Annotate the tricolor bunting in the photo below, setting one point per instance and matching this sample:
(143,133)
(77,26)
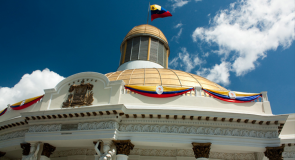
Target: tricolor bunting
(3,111)
(150,91)
(240,96)
(158,12)
(26,103)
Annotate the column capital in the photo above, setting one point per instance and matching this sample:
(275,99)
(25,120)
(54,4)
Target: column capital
(274,153)
(2,154)
(26,148)
(123,146)
(201,150)
(47,150)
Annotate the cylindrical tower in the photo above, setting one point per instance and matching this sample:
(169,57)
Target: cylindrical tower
(144,46)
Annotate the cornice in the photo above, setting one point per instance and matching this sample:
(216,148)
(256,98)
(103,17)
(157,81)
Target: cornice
(156,128)
(199,123)
(118,113)
(182,110)
(74,127)
(76,120)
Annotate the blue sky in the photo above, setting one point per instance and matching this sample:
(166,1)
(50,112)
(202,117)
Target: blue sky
(244,46)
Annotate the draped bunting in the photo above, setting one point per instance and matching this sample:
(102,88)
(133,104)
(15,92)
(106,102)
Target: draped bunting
(150,91)
(3,111)
(240,96)
(26,103)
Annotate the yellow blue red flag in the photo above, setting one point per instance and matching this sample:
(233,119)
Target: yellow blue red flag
(159,12)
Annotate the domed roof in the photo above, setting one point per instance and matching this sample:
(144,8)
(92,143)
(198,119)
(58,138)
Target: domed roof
(161,76)
(146,29)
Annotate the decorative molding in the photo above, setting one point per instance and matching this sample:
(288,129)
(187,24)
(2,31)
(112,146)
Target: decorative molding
(123,146)
(79,126)
(190,153)
(201,150)
(81,151)
(197,130)
(45,128)
(158,152)
(48,150)
(232,156)
(74,120)
(289,152)
(259,155)
(11,135)
(274,153)
(26,148)
(185,152)
(289,148)
(201,123)
(98,125)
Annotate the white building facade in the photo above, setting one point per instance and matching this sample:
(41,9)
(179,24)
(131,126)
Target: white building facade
(92,116)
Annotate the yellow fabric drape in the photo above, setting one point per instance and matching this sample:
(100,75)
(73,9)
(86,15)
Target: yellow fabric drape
(238,94)
(153,88)
(26,101)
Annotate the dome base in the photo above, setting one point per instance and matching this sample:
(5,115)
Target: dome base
(138,64)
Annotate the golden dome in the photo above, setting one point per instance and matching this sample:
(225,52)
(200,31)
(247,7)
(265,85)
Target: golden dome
(148,30)
(161,76)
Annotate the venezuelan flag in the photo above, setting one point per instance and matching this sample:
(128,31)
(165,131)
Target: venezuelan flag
(26,103)
(150,91)
(158,12)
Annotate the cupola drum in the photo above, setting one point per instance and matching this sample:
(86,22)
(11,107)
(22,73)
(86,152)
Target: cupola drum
(145,43)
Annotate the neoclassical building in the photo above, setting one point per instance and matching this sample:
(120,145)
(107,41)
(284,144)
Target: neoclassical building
(145,111)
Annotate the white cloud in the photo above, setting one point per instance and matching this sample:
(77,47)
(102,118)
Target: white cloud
(178,25)
(248,29)
(177,36)
(218,74)
(206,54)
(29,86)
(179,3)
(187,61)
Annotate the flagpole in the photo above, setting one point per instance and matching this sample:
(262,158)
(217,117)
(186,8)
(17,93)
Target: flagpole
(147,22)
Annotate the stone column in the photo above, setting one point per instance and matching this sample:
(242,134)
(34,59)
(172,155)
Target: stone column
(201,150)
(26,149)
(99,147)
(47,151)
(2,154)
(123,148)
(274,153)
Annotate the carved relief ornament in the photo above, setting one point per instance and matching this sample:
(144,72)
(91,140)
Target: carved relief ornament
(274,153)
(26,148)
(47,150)
(201,150)
(80,95)
(123,146)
